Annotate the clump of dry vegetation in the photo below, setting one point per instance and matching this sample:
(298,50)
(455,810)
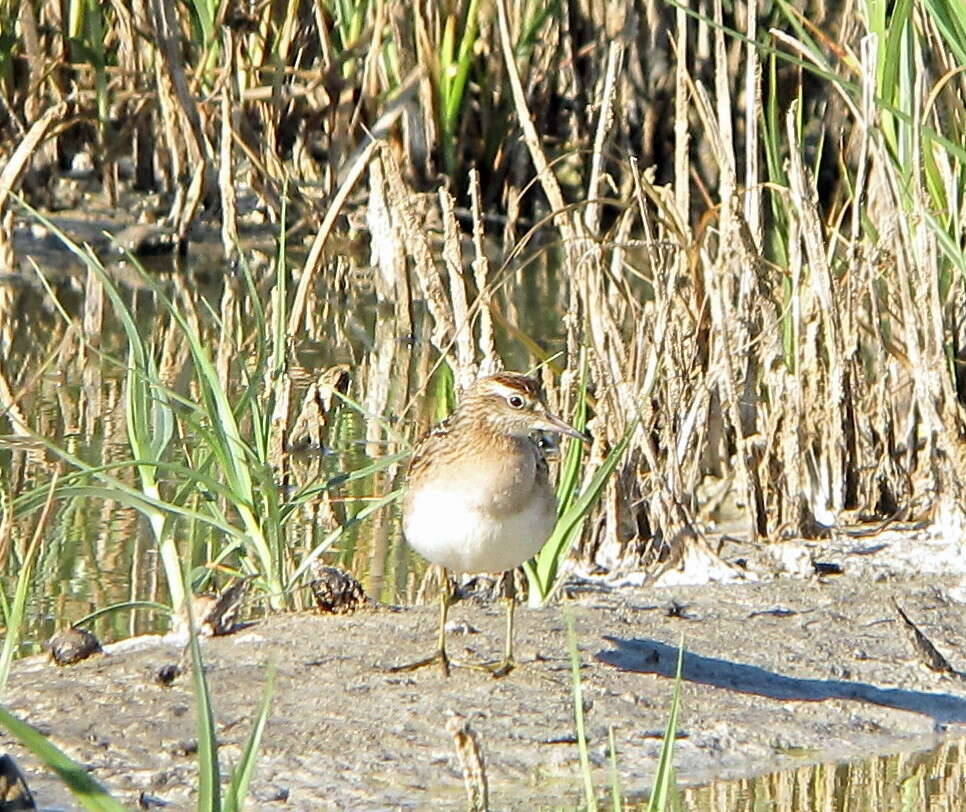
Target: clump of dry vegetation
(749,225)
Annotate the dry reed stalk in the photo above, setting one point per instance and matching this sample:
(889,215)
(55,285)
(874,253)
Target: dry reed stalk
(589,288)
(309,433)
(794,508)
(440,306)
(226,170)
(8,526)
(753,112)
(187,301)
(281,405)
(604,123)
(386,250)
(8,315)
(490,362)
(11,409)
(829,419)
(87,363)
(422,130)
(732,309)
(13,170)
(176,96)
(385,246)
(353,171)
(471,762)
(682,173)
(133,60)
(229,324)
(466,366)
(725,346)
(380,384)
(569,227)
(174,354)
(942,426)
(35,59)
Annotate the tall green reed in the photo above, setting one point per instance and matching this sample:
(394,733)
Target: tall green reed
(664,790)
(575,506)
(578,697)
(221,475)
(211,796)
(14,610)
(350,20)
(205,36)
(454,68)
(87,34)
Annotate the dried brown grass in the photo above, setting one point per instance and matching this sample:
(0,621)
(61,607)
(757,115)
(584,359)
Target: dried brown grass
(813,386)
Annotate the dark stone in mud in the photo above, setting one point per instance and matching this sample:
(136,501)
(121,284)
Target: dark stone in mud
(167,674)
(146,801)
(73,645)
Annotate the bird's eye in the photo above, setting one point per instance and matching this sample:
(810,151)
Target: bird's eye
(515,401)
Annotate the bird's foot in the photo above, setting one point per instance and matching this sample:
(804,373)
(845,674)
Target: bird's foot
(495,668)
(437,657)
(502,668)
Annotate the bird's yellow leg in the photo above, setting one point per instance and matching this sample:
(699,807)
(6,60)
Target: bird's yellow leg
(505,667)
(445,598)
(500,668)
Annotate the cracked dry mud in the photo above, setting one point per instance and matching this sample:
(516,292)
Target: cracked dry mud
(776,673)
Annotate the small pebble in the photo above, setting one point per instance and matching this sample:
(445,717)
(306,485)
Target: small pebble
(167,674)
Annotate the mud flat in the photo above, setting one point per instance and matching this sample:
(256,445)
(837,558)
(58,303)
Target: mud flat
(778,672)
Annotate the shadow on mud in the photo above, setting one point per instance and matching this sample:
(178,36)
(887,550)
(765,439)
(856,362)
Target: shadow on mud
(652,657)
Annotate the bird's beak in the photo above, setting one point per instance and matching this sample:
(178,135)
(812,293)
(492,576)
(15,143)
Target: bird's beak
(550,423)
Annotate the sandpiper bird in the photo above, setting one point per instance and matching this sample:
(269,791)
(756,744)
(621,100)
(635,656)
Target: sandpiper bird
(479,498)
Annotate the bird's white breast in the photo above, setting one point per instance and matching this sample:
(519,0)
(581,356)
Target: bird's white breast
(452,527)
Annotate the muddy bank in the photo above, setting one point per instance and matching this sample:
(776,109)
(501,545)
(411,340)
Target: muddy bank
(776,672)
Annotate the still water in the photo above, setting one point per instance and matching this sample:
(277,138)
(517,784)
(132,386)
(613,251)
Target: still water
(932,779)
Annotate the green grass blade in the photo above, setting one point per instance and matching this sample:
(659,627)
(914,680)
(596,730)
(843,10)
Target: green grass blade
(950,18)
(542,572)
(279,295)
(123,606)
(664,791)
(209,775)
(88,792)
(15,612)
(337,533)
(149,417)
(569,478)
(224,438)
(13,616)
(462,66)
(579,713)
(615,780)
(242,774)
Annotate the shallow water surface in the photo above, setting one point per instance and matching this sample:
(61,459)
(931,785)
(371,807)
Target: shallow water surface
(919,781)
